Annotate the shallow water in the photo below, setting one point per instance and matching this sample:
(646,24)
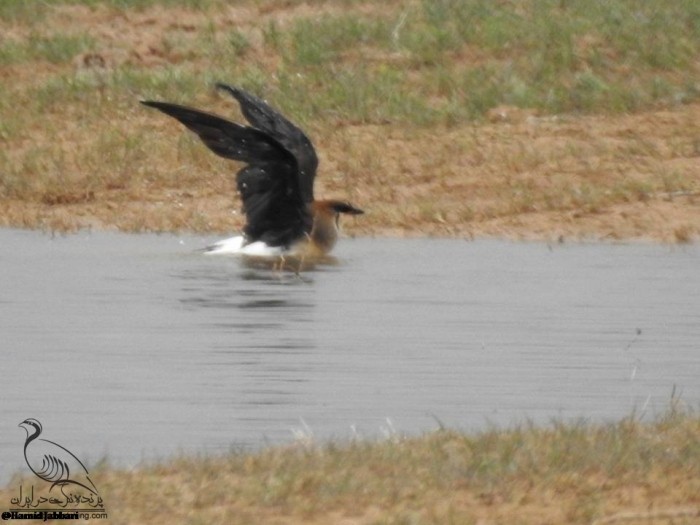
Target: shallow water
(135,347)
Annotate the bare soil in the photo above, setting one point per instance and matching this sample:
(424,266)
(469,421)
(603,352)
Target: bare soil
(567,178)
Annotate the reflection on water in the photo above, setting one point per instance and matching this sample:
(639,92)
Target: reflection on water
(136,347)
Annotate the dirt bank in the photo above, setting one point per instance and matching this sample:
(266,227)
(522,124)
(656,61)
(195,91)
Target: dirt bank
(630,177)
(80,152)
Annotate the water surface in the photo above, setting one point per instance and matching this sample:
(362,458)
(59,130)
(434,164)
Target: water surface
(135,347)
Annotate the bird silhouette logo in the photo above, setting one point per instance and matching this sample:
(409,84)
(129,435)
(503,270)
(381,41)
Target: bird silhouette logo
(52,462)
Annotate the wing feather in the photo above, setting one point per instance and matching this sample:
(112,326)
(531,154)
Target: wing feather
(265,118)
(275,208)
(226,138)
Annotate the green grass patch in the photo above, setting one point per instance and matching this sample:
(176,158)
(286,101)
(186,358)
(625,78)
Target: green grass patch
(56,49)
(458,59)
(428,63)
(319,41)
(37,11)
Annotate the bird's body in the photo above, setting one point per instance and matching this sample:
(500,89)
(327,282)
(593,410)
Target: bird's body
(52,462)
(276,185)
(319,241)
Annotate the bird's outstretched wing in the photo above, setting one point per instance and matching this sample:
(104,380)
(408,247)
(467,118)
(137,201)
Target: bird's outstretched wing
(265,118)
(226,138)
(276,212)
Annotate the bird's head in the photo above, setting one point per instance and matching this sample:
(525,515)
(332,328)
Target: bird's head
(31,426)
(326,215)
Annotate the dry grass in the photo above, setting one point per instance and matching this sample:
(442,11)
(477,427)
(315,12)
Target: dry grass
(563,473)
(440,118)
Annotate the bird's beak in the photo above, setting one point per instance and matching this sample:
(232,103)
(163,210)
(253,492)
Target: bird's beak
(341,207)
(348,208)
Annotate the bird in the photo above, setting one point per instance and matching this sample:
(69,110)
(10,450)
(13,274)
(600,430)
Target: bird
(276,184)
(51,462)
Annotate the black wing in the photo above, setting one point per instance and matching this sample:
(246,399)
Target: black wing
(226,138)
(273,214)
(276,212)
(266,119)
